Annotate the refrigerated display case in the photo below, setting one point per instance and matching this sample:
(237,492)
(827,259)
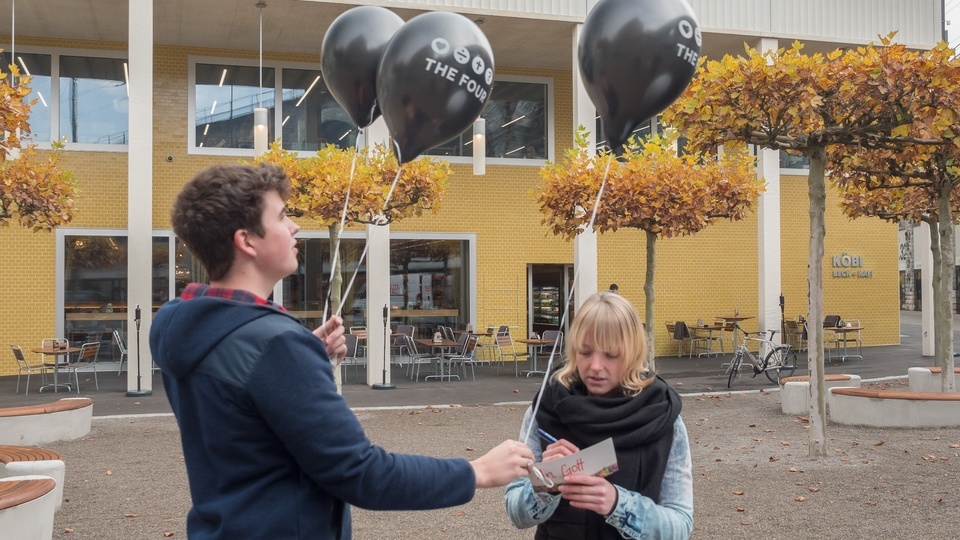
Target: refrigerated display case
(546,308)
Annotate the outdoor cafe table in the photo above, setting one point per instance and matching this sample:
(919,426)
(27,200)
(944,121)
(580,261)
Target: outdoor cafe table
(442,344)
(842,332)
(707,329)
(535,344)
(56,365)
(736,324)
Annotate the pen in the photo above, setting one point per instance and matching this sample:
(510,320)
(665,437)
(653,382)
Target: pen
(546,436)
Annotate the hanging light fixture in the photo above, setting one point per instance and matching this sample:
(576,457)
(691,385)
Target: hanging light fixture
(479,146)
(260,113)
(13,152)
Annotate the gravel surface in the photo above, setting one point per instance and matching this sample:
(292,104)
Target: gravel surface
(752,476)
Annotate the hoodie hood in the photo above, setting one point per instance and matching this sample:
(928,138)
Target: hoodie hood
(185,331)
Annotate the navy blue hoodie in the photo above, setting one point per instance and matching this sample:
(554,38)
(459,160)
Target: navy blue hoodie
(272,451)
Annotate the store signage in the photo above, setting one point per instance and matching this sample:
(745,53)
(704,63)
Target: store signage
(850,266)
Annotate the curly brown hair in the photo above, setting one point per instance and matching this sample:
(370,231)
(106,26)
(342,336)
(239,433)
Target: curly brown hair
(219,201)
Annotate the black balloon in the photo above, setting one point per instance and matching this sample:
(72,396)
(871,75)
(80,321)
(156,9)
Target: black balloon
(435,78)
(350,56)
(636,57)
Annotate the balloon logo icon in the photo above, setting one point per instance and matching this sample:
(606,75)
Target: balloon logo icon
(636,57)
(435,77)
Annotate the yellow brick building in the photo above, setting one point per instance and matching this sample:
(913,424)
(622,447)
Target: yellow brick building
(703,276)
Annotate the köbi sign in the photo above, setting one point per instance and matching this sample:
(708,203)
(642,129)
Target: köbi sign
(434,79)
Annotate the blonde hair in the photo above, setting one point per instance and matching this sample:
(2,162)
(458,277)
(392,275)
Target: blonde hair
(614,325)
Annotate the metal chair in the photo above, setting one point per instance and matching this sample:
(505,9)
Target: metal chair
(26,367)
(361,333)
(86,360)
(794,334)
(123,350)
(505,349)
(351,357)
(466,356)
(417,358)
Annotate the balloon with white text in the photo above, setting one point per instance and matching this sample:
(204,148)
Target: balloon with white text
(636,57)
(435,77)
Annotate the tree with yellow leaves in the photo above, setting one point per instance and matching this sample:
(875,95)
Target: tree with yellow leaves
(34,191)
(806,104)
(649,188)
(321,184)
(917,178)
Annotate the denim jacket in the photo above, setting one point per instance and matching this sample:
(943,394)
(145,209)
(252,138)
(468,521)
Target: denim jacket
(634,515)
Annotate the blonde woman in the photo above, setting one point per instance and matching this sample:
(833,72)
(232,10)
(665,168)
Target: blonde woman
(605,390)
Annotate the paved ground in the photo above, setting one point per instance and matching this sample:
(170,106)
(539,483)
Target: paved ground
(752,474)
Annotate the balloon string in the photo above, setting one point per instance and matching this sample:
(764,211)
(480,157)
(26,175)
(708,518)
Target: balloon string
(563,319)
(343,219)
(379,222)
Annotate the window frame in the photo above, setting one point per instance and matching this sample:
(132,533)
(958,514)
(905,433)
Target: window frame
(55,53)
(550,126)
(277,65)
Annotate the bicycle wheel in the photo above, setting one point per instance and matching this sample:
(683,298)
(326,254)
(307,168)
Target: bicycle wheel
(780,362)
(733,372)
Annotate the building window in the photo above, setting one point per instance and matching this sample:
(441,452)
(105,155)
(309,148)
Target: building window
(94,100)
(793,161)
(81,99)
(429,283)
(95,285)
(37,66)
(516,120)
(311,117)
(306,117)
(225,97)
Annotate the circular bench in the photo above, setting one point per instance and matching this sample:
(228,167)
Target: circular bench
(62,420)
(795,394)
(27,506)
(926,379)
(27,460)
(894,408)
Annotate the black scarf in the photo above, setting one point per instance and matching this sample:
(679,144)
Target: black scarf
(641,428)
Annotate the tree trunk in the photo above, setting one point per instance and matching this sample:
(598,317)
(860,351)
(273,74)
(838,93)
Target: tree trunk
(650,297)
(336,282)
(818,410)
(943,316)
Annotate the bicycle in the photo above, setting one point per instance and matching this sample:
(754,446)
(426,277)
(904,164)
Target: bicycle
(779,362)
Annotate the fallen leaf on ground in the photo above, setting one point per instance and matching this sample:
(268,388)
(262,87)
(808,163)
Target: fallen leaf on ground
(738,493)
(167,534)
(800,498)
(131,515)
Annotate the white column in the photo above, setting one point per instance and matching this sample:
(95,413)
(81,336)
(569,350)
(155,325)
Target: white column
(925,256)
(768,230)
(585,243)
(378,280)
(140,192)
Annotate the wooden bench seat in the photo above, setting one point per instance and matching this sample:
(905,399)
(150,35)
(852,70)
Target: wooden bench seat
(27,506)
(65,404)
(894,408)
(29,460)
(18,491)
(30,425)
(826,378)
(795,394)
